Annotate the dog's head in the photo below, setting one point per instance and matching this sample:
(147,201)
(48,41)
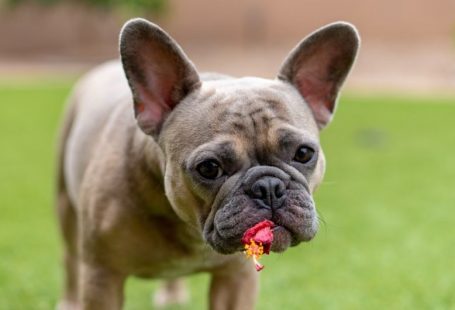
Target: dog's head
(238,151)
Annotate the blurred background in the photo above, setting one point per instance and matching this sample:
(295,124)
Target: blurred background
(387,204)
(407,44)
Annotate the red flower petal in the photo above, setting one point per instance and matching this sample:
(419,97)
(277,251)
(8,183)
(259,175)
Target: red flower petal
(260,233)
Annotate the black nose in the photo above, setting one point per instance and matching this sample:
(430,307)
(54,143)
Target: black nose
(269,190)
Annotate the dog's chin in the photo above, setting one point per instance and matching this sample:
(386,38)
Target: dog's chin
(295,222)
(282,239)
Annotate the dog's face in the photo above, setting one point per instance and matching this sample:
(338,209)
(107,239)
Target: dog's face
(248,152)
(239,151)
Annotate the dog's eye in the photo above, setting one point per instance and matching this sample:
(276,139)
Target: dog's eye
(304,154)
(209,169)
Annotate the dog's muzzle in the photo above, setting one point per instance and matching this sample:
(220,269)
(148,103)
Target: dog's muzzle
(264,193)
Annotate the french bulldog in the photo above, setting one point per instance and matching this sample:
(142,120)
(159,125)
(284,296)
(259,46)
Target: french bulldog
(163,169)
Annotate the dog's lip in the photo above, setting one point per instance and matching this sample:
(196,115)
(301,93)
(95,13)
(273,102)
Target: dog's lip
(282,238)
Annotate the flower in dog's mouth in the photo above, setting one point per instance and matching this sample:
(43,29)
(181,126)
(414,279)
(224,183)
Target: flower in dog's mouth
(257,241)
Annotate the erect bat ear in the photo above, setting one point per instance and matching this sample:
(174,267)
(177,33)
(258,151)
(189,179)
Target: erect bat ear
(158,71)
(318,66)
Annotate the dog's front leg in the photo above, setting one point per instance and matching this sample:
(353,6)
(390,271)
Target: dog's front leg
(100,288)
(234,288)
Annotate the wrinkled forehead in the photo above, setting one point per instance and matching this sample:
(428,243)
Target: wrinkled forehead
(253,106)
(253,110)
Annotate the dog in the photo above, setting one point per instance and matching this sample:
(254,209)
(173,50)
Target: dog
(163,169)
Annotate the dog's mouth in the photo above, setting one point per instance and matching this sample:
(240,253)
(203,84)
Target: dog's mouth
(294,222)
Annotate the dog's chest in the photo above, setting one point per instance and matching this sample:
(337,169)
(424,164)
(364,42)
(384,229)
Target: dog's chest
(174,266)
(158,247)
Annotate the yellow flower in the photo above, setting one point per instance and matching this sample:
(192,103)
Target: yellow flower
(255,251)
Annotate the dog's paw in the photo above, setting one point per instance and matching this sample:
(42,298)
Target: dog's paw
(171,293)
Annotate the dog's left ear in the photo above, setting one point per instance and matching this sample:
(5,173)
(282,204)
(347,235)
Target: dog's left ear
(158,72)
(318,66)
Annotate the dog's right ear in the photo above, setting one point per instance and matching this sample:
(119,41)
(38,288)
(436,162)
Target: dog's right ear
(318,66)
(158,71)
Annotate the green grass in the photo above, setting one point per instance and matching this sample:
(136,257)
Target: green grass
(387,202)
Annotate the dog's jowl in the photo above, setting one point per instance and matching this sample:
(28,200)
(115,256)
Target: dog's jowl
(162,168)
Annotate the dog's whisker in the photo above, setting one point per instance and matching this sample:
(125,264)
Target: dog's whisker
(321,220)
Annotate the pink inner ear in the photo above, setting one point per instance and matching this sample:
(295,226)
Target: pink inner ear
(154,95)
(139,107)
(149,119)
(318,95)
(153,103)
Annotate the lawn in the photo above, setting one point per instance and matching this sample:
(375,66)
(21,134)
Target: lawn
(388,204)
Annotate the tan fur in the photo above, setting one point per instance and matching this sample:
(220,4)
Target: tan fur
(129,228)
